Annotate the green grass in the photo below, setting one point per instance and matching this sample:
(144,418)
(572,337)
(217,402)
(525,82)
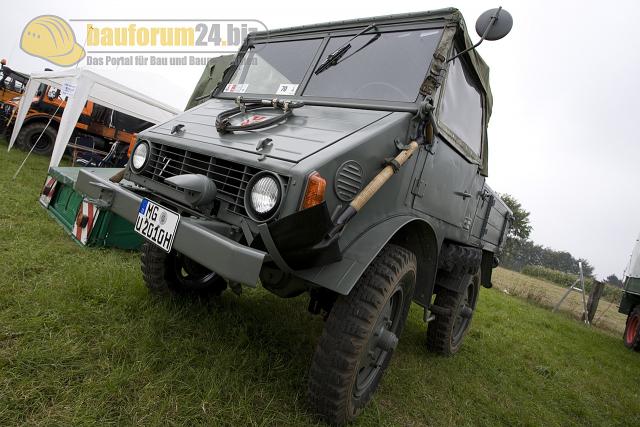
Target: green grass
(82,342)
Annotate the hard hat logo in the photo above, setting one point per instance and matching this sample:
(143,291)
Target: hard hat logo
(51,37)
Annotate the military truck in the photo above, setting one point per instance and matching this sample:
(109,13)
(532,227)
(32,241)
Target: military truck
(345,160)
(630,302)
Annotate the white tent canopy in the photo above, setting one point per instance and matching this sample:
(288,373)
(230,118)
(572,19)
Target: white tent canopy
(633,269)
(82,85)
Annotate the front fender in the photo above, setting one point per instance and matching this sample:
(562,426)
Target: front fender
(342,276)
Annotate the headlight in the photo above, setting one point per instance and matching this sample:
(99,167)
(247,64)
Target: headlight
(139,156)
(264,195)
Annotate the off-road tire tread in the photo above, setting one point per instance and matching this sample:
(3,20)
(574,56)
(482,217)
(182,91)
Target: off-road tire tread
(152,264)
(156,278)
(346,331)
(23,143)
(454,257)
(635,345)
(440,329)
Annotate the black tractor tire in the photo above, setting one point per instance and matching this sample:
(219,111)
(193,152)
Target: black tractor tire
(631,335)
(173,273)
(360,335)
(453,311)
(30,133)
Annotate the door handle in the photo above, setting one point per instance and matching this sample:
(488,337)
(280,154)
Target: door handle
(463,194)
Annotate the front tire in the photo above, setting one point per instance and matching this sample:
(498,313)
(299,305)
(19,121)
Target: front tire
(30,135)
(360,335)
(453,311)
(174,273)
(632,330)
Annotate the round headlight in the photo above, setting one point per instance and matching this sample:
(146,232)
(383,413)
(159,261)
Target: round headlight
(265,193)
(139,156)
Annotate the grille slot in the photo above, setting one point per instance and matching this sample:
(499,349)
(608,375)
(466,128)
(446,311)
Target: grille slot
(231,178)
(349,180)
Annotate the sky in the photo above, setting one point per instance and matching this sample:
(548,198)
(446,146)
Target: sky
(566,100)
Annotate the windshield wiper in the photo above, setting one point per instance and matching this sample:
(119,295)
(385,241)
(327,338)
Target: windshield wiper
(333,58)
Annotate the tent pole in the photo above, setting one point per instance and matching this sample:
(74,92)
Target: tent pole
(36,143)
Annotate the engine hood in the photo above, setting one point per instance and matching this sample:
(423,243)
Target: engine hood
(309,130)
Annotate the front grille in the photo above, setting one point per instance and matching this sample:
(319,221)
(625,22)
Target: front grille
(231,178)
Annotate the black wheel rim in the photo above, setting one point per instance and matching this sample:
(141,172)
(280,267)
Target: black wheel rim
(41,144)
(190,274)
(374,357)
(465,311)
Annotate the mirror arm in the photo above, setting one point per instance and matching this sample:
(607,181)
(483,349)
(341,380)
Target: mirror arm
(494,18)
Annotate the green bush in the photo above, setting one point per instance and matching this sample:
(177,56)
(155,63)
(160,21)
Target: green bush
(609,293)
(550,275)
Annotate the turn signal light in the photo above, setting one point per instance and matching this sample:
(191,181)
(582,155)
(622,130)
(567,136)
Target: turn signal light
(314,195)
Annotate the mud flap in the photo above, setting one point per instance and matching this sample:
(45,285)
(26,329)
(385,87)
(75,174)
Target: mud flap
(486,268)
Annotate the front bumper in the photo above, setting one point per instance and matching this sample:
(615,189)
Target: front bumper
(218,253)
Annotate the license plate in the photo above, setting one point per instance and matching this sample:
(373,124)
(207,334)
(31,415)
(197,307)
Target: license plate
(157,224)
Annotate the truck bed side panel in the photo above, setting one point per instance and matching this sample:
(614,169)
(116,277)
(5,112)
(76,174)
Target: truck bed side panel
(492,220)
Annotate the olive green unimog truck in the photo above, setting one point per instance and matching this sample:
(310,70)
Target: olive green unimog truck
(345,160)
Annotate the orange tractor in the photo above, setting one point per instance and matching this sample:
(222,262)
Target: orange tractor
(12,83)
(98,127)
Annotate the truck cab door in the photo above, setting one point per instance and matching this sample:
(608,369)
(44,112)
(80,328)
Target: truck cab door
(450,181)
(445,185)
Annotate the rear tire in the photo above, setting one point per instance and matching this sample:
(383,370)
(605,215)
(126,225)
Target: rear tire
(174,273)
(631,335)
(453,312)
(360,335)
(30,133)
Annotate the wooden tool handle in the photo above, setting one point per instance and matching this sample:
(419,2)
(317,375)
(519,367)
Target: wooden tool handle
(376,183)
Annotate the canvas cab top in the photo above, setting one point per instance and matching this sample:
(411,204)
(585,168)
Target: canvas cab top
(386,65)
(362,69)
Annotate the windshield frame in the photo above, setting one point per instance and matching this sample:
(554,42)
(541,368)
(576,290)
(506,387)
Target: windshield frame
(326,33)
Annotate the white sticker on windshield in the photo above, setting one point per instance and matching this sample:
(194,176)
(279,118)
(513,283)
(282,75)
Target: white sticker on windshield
(287,89)
(236,88)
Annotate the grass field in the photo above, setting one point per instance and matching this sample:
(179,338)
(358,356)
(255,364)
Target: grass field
(82,342)
(547,294)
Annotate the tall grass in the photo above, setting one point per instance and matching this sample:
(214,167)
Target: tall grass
(610,293)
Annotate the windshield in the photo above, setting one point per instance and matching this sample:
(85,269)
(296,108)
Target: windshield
(391,67)
(274,68)
(387,66)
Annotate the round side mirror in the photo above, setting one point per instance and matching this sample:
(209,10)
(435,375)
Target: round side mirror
(500,28)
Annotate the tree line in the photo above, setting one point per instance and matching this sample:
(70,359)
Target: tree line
(519,251)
